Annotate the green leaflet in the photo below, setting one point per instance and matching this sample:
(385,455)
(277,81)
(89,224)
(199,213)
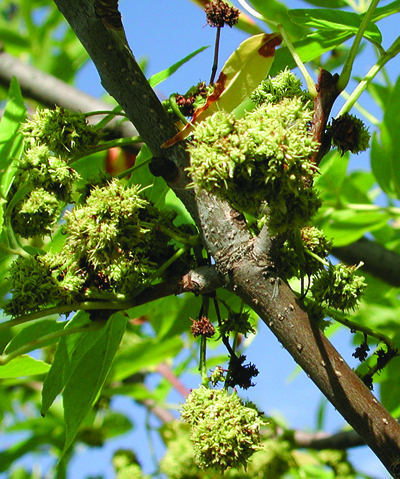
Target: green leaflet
(144,354)
(68,355)
(278,12)
(328,3)
(32,332)
(333,19)
(87,379)
(141,175)
(347,225)
(23,366)
(382,12)
(385,160)
(159,77)
(10,139)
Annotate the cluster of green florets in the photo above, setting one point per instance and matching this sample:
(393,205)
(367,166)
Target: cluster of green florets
(273,460)
(44,180)
(338,287)
(114,243)
(263,158)
(225,431)
(64,132)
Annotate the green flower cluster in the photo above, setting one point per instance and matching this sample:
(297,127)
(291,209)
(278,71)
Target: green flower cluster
(43,178)
(237,323)
(264,157)
(114,243)
(274,90)
(33,285)
(126,465)
(315,248)
(64,132)
(272,461)
(338,287)
(225,431)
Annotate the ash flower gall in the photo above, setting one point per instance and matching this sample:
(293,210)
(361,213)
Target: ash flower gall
(225,431)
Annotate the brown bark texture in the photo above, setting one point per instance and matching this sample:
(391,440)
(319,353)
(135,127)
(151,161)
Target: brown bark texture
(242,261)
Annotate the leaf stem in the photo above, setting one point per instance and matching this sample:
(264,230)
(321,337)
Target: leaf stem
(391,52)
(348,65)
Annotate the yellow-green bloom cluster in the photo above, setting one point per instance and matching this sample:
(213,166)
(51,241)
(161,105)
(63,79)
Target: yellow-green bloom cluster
(225,431)
(264,157)
(338,286)
(66,133)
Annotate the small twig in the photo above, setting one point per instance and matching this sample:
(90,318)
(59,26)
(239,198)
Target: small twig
(216,51)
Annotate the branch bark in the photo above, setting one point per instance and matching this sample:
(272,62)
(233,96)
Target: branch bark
(239,257)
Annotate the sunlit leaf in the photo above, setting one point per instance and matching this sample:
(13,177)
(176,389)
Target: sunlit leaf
(10,139)
(32,332)
(159,77)
(333,19)
(278,13)
(385,160)
(23,366)
(89,376)
(385,11)
(144,354)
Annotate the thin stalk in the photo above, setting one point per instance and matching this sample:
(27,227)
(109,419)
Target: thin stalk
(355,326)
(16,251)
(38,343)
(391,52)
(348,65)
(371,118)
(118,142)
(307,77)
(133,168)
(109,117)
(175,108)
(192,240)
(216,52)
(205,306)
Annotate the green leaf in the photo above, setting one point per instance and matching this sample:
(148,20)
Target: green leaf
(311,47)
(333,169)
(382,12)
(144,355)
(333,19)
(141,175)
(385,160)
(23,366)
(278,12)
(87,380)
(69,353)
(159,77)
(34,331)
(328,3)
(348,225)
(10,139)
(390,386)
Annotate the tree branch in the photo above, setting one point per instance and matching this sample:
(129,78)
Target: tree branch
(51,91)
(226,238)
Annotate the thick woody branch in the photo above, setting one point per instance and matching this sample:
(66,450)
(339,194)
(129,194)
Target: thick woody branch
(51,91)
(237,255)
